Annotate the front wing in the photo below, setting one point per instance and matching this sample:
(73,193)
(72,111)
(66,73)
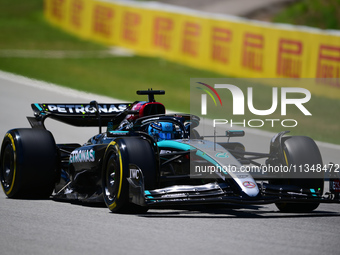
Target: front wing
(222,193)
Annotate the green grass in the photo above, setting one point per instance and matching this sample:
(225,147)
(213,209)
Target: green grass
(22,26)
(324,14)
(117,77)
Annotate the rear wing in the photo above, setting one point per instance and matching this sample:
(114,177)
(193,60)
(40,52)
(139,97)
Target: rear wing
(81,115)
(93,114)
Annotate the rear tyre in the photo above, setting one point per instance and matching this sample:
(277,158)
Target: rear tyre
(302,151)
(28,163)
(120,156)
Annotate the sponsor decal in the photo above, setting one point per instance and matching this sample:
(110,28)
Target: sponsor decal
(131,27)
(221,155)
(336,185)
(185,195)
(190,42)
(82,156)
(165,151)
(253,51)
(58,9)
(249,185)
(289,60)
(242,176)
(135,174)
(102,20)
(163,33)
(328,65)
(221,44)
(82,109)
(77,8)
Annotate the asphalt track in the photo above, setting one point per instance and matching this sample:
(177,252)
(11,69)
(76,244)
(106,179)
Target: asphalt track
(48,227)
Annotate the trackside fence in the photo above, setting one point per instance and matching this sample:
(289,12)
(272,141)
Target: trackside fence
(225,44)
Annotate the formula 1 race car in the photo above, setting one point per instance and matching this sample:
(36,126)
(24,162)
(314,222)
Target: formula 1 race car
(149,159)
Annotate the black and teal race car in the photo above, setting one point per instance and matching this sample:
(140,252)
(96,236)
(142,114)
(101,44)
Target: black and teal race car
(149,159)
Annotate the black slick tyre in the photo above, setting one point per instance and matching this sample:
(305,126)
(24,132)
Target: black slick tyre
(302,151)
(28,163)
(121,155)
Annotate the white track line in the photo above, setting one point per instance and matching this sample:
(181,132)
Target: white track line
(56,88)
(58,54)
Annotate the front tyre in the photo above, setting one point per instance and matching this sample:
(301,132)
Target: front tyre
(302,151)
(114,185)
(120,156)
(28,163)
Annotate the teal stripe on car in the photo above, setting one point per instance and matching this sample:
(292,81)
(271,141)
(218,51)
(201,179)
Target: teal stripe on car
(174,144)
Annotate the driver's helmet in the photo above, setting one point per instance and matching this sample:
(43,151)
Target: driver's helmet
(162,130)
